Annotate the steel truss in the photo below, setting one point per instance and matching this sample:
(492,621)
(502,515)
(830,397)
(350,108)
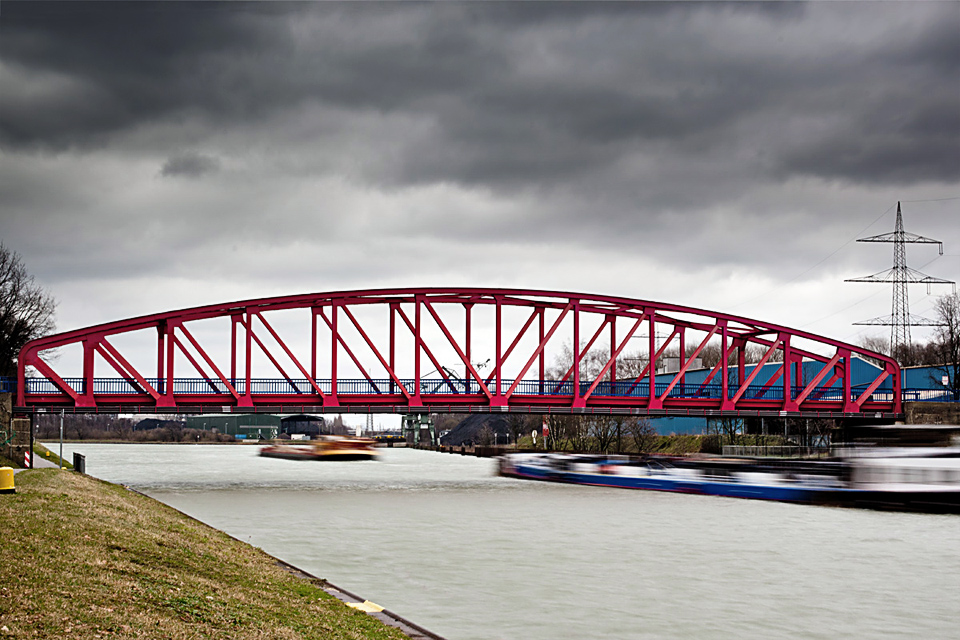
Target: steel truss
(389,375)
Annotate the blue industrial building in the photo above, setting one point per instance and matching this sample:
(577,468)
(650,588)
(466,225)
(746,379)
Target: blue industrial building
(925,383)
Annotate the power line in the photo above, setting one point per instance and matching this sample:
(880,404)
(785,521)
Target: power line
(809,269)
(935,199)
(872,295)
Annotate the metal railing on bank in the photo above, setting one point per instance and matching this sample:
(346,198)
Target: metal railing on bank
(775,451)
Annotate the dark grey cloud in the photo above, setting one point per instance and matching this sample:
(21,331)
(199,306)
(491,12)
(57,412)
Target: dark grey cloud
(189,165)
(538,93)
(699,137)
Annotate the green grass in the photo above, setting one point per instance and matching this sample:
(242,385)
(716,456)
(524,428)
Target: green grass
(85,559)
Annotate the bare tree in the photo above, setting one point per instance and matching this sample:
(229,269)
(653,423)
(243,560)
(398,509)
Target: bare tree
(947,341)
(642,433)
(81,427)
(603,432)
(519,424)
(122,428)
(26,310)
(729,429)
(710,355)
(876,344)
(557,432)
(578,432)
(590,363)
(619,428)
(754,353)
(917,354)
(485,436)
(820,430)
(176,430)
(629,364)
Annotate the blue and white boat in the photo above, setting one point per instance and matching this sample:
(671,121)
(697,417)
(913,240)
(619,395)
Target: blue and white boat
(908,479)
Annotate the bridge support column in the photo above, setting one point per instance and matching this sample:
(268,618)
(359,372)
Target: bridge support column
(86,395)
(849,406)
(788,402)
(725,403)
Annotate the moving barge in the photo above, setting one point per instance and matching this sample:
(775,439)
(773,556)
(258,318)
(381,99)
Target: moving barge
(926,480)
(326,448)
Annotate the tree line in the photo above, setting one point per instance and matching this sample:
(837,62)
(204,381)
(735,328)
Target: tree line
(110,427)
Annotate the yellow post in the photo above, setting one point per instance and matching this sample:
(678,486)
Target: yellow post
(6,480)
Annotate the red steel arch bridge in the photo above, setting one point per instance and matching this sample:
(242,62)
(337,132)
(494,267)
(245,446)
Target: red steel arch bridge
(447,350)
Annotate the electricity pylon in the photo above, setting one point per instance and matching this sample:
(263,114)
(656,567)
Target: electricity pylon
(900,275)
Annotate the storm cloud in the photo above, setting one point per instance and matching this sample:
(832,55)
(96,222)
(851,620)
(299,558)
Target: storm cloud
(641,148)
(190,165)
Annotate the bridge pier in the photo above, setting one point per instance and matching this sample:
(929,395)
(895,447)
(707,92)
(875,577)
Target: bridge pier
(16,434)
(413,426)
(931,412)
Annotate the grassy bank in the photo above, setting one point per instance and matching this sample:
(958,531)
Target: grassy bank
(85,559)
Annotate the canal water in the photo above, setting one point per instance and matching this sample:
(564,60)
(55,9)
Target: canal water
(441,540)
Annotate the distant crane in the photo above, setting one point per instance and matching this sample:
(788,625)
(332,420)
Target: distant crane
(369,429)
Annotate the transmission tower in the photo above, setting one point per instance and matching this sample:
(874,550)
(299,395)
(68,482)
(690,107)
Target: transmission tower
(900,275)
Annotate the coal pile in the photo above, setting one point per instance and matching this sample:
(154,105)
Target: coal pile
(467,433)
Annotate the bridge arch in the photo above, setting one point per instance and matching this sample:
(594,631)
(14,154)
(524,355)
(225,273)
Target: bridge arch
(419,349)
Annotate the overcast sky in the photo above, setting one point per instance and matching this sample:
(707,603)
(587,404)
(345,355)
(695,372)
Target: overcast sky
(724,156)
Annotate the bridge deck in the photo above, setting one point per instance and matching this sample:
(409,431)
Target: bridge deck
(537,396)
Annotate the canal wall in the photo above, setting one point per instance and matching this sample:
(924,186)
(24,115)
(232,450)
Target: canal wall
(932,412)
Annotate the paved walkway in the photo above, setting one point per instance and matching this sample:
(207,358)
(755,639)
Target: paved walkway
(41,462)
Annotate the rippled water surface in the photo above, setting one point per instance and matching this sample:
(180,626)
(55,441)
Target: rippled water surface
(441,540)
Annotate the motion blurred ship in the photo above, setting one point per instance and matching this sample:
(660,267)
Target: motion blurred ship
(903,479)
(325,448)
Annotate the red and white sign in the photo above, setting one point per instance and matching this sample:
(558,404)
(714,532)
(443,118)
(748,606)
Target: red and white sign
(26,460)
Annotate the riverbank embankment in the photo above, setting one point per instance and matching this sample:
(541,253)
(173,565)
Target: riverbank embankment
(86,559)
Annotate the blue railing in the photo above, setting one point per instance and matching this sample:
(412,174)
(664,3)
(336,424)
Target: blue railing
(452,387)
(8,385)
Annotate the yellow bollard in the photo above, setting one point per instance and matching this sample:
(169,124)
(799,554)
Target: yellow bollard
(6,480)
